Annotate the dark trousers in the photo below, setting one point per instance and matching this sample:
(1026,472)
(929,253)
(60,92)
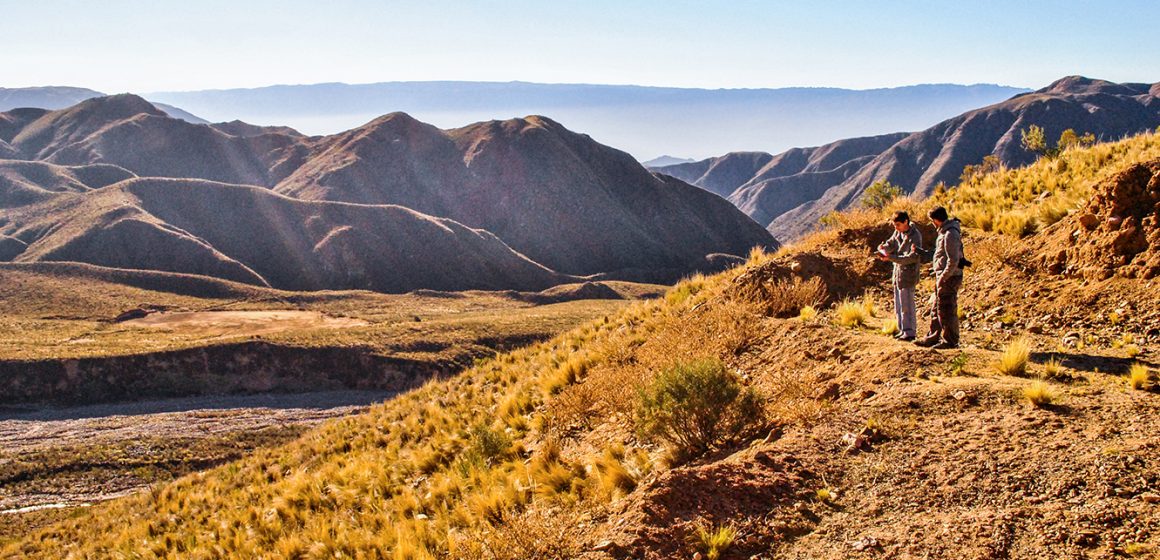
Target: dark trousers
(944,313)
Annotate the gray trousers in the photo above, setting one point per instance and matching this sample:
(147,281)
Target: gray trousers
(904,310)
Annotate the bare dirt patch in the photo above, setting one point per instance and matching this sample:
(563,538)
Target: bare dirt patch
(227,324)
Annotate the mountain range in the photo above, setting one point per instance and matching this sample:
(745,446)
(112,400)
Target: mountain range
(644,121)
(791,191)
(391,206)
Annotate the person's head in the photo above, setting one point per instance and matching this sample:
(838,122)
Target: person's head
(901,220)
(938,215)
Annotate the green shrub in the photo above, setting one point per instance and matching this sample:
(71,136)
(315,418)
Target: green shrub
(881,193)
(693,406)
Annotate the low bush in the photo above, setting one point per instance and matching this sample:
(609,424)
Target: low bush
(785,297)
(693,406)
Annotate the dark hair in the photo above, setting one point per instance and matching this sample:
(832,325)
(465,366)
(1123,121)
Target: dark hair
(901,217)
(939,213)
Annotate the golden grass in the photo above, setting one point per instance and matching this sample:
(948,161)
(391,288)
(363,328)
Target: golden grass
(712,542)
(1021,201)
(1138,377)
(850,314)
(808,313)
(889,327)
(1013,360)
(1039,393)
(392,482)
(1052,369)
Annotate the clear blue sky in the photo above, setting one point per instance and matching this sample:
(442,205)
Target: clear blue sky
(143,46)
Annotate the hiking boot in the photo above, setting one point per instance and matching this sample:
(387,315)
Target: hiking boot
(927,342)
(945,346)
(907,338)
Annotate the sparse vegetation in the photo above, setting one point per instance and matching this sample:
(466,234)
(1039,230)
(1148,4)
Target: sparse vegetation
(807,313)
(713,541)
(1013,360)
(1138,377)
(889,326)
(1021,201)
(785,297)
(1039,393)
(696,405)
(1052,369)
(850,314)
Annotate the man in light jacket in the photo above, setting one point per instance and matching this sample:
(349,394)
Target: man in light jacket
(903,248)
(944,312)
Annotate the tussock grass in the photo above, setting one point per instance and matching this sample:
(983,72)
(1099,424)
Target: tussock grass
(783,298)
(1138,377)
(1013,360)
(889,327)
(1052,369)
(1039,393)
(712,542)
(808,313)
(850,314)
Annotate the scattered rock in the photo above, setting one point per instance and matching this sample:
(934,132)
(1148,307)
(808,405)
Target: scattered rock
(830,393)
(856,442)
(1150,497)
(864,543)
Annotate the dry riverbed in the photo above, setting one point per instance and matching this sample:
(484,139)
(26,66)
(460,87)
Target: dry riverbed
(55,460)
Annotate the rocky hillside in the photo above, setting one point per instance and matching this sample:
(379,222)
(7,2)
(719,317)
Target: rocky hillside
(790,200)
(554,196)
(848,444)
(249,234)
(765,186)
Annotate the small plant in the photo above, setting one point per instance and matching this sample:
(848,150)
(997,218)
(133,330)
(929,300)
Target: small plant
(1052,368)
(1132,350)
(1013,360)
(850,314)
(696,405)
(958,364)
(1137,377)
(1114,318)
(808,313)
(826,495)
(890,326)
(1039,393)
(712,542)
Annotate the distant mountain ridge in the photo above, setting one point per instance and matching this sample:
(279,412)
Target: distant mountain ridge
(790,199)
(644,121)
(394,205)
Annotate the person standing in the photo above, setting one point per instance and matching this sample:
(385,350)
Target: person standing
(948,274)
(903,248)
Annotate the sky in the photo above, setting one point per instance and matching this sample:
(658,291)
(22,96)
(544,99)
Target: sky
(148,46)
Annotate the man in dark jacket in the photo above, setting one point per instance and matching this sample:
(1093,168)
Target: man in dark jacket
(903,249)
(948,275)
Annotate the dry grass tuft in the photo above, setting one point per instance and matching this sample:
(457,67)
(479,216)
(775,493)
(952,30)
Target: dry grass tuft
(850,314)
(1138,377)
(889,327)
(808,313)
(713,542)
(1013,360)
(783,298)
(1039,393)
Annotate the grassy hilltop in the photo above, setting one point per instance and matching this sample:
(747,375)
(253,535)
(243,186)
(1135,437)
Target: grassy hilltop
(1037,439)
